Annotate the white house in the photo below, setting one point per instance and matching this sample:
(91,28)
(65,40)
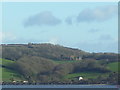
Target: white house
(80,78)
(25,81)
(14,81)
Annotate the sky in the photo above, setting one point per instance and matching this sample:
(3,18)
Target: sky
(89,26)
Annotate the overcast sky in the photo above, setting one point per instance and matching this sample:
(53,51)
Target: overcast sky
(90,26)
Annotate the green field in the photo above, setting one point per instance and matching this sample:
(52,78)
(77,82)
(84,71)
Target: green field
(6,62)
(86,75)
(8,74)
(114,66)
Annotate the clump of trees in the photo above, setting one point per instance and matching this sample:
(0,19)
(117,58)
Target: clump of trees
(110,57)
(90,65)
(31,66)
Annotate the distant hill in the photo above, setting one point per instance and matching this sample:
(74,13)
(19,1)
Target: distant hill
(50,51)
(16,51)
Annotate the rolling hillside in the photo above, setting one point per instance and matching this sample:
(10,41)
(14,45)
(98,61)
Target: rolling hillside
(45,63)
(8,74)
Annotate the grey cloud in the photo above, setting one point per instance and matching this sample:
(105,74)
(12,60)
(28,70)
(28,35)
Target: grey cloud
(105,37)
(43,18)
(97,14)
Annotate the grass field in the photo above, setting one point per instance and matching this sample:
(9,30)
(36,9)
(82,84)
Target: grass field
(8,74)
(114,66)
(6,62)
(86,75)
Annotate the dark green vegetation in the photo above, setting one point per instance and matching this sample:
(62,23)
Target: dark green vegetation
(47,63)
